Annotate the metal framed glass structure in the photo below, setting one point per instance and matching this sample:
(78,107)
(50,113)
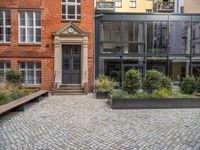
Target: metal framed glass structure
(147,41)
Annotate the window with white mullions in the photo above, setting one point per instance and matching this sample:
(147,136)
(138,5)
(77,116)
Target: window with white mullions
(71,9)
(30,72)
(4,67)
(132,3)
(29,27)
(5,26)
(118,3)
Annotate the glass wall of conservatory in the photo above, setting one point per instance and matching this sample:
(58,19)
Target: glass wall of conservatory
(167,43)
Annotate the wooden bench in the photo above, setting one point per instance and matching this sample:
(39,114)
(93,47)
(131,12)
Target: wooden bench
(18,105)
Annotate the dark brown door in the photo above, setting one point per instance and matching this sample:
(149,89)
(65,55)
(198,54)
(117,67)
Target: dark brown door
(71,64)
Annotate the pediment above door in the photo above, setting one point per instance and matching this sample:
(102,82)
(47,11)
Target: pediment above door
(70,30)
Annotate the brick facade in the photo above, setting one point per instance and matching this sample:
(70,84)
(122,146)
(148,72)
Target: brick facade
(51,22)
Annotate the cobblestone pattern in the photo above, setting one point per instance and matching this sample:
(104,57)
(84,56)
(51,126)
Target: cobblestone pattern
(84,123)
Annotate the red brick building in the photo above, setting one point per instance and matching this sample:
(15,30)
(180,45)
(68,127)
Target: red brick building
(49,42)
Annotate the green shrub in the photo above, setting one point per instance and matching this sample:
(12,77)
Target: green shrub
(163,93)
(105,84)
(152,80)
(166,82)
(13,76)
(188,85)
(198,85)
(18,93)
(132,81)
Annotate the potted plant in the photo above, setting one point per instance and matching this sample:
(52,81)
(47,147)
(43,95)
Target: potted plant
(104,86)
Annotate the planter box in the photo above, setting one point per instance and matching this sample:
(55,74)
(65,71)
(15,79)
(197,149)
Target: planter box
(102,95)
(154,103)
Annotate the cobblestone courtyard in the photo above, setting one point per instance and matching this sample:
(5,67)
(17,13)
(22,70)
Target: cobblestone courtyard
(84,123)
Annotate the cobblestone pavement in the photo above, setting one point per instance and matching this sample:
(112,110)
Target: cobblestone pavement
(85,123)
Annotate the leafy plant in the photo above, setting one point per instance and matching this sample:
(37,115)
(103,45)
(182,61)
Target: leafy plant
(132,81)
(13,76)
(188,85)
(105,84)
(166,82)
(18,93)
(198,85)
(163,93)
(152,80)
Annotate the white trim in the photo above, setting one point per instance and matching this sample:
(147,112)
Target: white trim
(4,26)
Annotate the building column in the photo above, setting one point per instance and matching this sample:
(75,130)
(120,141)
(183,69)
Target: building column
(85,62)
(57,62)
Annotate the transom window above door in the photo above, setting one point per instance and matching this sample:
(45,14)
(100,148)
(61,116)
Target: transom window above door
(71,9)
(29,27)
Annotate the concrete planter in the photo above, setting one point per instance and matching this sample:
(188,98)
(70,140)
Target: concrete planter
(102,95)
(154,103)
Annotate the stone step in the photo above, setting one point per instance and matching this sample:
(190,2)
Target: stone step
(69,91)
(70,85)
(70,88)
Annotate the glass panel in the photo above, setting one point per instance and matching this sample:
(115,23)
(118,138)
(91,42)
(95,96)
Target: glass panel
(196,38)
(38,18)
(23,76)
(30,77)
(133,48)
(66,63)
(113,69)
(38,65)
(1,65)
(71,9)
(159,64)
(22,65)
(8,34)
(76,63)
(30,65)
(179,41)
(63,9)
(105,29)
(78,9)
(38,77)
(115,31)
(22,18)
(22,35)
(110,47)
(133,31)
(30,19)
(179,68)
(30,35)
(38,35)
(157,37)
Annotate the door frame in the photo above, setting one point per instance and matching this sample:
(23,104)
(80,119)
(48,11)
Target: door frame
(81,58)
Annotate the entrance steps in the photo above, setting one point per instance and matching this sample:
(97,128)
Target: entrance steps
(72,89)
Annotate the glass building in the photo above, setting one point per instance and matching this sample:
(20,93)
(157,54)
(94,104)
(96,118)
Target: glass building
(169,43)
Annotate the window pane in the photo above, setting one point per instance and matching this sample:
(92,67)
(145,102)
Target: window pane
(30,77)
(8,34)
(1,75)
(38,65)
(78,9)
(71,9)
(22,18)
(63,9)
(22,34)
(30,35)
(38,77)
(1,65)
(30,65)
(29,18)
(23,76)
(38,18)
(38,35)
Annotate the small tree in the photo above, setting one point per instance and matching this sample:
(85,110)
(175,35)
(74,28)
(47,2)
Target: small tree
(105,84)
(13,76)
(132,81)
(152,80)
(188,85)
(166,82)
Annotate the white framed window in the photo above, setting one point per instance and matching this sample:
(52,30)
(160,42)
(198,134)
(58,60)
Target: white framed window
(29,27)
(5,26)
(118,3)
(30,72)
(132,3)
(4,67)
(71,9)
